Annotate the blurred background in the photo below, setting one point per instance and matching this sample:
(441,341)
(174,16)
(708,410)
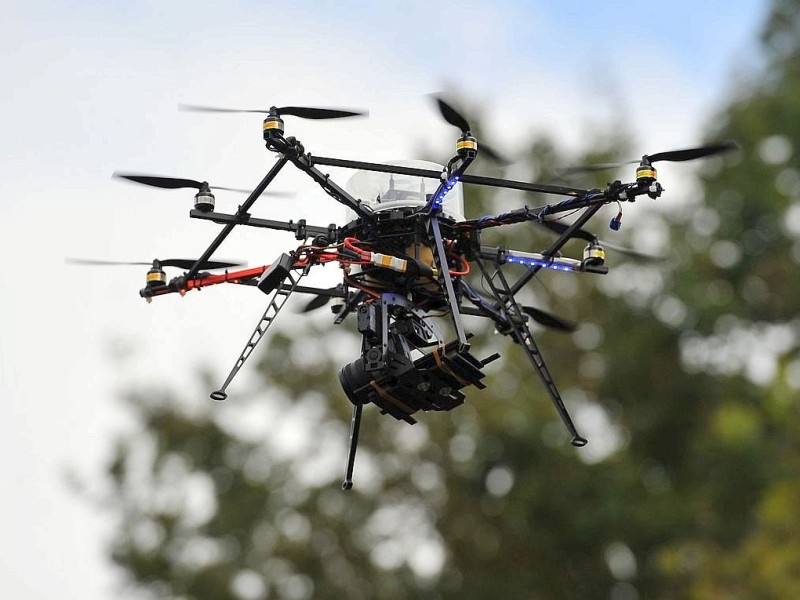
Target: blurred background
(121,478)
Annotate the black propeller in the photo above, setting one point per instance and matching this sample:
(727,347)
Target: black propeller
(456,119)
(693,153)
(670,156)
(559,228)
(538,315)
(452,116)
(181,263)
(174,183)
(322,299)
(304,112)
(170,183)
(548,320)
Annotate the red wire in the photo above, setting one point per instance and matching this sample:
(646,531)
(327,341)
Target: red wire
(348,243)
(464,266)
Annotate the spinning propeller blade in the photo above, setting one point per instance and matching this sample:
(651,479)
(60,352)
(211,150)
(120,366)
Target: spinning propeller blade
(182,263)
(456,119)
(493,154)
(168,183)
(304,112)
(548,320)
(315,303)
(693,153)
(592,168)
(174,183)
(559,228)
(582,234)
(451,115)
(188,263)
(632,253)
(670,156)
(321,300)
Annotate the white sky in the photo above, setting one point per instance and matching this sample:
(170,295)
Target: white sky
(92,87)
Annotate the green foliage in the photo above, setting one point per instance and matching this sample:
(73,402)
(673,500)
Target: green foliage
(685,376)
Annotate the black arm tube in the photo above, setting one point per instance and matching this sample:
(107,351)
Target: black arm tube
(238,219)
(556,246)
(524,186)
(476,179)
(522,215)
(483,307)
(368,166)
(241,211)
(303,162)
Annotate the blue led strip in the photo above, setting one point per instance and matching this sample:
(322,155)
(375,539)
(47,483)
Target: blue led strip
(540,262)
(436,204)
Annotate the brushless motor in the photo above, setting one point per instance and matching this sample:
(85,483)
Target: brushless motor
(156,276)
(272,124)
(204,200)
(467,146)
(594,255)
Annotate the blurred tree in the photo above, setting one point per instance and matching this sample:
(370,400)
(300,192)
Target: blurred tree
(739,290)
(684,376)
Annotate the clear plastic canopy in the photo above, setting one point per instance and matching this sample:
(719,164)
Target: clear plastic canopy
(387,191)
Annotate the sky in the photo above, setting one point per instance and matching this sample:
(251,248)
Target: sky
(93,87)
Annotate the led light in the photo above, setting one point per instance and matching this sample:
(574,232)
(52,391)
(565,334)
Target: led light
(437,201)
(543,262)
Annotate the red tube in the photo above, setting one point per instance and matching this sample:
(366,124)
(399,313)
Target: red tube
(232,276)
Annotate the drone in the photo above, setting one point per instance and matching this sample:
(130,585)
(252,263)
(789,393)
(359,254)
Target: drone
(405,254)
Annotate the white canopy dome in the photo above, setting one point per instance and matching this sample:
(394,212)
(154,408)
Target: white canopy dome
(387,191)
